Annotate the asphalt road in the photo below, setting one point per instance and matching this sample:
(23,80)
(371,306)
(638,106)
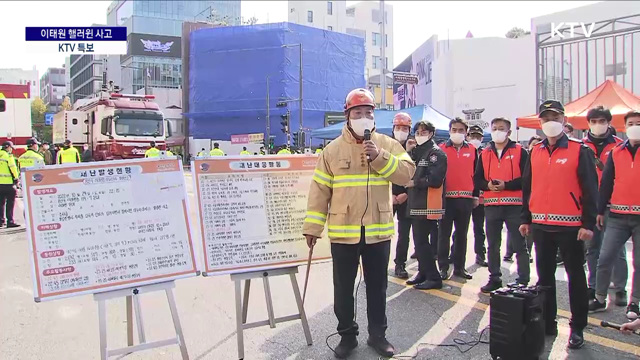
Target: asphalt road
(418,320)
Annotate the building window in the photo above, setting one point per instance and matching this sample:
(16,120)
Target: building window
(351,12)
(386,62)
(330,28)
(376,59)
(330,7)
(310,16)
(386,40)
(375,39)
(3,106)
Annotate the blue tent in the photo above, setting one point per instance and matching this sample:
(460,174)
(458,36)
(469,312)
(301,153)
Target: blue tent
(384,123)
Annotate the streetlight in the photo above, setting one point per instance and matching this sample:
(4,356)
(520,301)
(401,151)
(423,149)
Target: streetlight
(300,97)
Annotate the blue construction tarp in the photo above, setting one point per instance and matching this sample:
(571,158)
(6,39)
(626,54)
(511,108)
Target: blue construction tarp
(230,68)
(384,123)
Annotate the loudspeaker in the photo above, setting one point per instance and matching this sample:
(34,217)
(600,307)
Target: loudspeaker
(516,323)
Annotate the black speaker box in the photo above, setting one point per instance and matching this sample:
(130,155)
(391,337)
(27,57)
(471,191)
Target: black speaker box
(516,323)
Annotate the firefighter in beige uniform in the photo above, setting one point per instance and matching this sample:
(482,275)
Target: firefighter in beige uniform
(354,195)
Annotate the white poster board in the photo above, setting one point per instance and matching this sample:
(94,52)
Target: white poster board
(251,211)
(101,226)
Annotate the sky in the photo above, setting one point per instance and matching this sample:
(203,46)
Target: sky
(414,22)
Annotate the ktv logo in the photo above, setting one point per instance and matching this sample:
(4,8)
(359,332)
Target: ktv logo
(558,29)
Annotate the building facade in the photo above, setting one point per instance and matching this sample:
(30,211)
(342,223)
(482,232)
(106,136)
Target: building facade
(154,29)
(362,19)
(603,45)
(476,79)
(53,88)
(85,74)
(327,15)
(22,77)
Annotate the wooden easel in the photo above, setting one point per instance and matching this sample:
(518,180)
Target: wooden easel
(242,303)
(132,296)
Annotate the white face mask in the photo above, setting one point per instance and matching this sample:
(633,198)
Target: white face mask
(400,135)
(475,143)
(552,128)
(421,139)
(598,129)
(498,136)
(360,125)
(457,138)
(633,132)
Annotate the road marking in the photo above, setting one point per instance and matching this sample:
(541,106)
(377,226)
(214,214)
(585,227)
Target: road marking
(468,302)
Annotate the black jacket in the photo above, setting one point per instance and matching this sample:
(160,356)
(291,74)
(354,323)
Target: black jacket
(483,184)
(400,210)
(431,170)
(587,178)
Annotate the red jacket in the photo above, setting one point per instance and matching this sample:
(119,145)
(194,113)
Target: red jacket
(461,165)
(626,195)
(507,168)
(601,159)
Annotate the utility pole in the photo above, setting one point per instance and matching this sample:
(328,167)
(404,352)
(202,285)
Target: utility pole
(301,89)
(268,109)
(383,67)
(146,80)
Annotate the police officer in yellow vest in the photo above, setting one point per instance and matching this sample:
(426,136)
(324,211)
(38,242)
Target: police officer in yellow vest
(8,181)
(284,151)
(319,150)
(31,156)
(216,150)
(201,153)
(154,151)
(244,151)
(68,154)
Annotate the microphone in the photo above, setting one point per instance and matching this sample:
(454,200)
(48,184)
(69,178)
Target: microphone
(367,137)
(607,324)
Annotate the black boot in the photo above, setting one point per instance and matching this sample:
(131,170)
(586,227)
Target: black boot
(429,285)
(401,272)
(416,279)
(462,273)
(481,261)
(381,346)
(576,339)
(346,346)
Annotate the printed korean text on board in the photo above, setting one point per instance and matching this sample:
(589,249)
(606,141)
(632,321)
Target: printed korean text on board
(252,210)
(106,226)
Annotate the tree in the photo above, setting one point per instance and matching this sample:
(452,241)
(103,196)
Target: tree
(40,130)
(516,32)
(251,21)
(38,108)
(66,104)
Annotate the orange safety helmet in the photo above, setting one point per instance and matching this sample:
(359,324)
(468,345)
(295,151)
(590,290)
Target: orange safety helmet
(402,119)
(359,97)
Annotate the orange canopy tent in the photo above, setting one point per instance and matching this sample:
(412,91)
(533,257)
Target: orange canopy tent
(609,94)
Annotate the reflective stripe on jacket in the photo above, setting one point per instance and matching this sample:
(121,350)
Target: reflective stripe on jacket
(339,197)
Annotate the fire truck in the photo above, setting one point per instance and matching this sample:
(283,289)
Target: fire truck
(15,116)
(114,125)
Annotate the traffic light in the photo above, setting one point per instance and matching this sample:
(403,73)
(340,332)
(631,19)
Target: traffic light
(285,122)
(296,139)
(272,140)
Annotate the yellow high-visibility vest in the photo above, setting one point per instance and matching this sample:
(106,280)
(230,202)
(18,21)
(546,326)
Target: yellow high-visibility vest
(8,168)
(152,152)
(284,152)
(216,152)
(70,155)
(29,159)
(244,152)
(318,151)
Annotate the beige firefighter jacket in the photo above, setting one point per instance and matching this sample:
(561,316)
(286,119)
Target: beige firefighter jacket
(338,191)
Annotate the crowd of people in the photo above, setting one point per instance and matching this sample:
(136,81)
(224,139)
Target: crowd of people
(574,199)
